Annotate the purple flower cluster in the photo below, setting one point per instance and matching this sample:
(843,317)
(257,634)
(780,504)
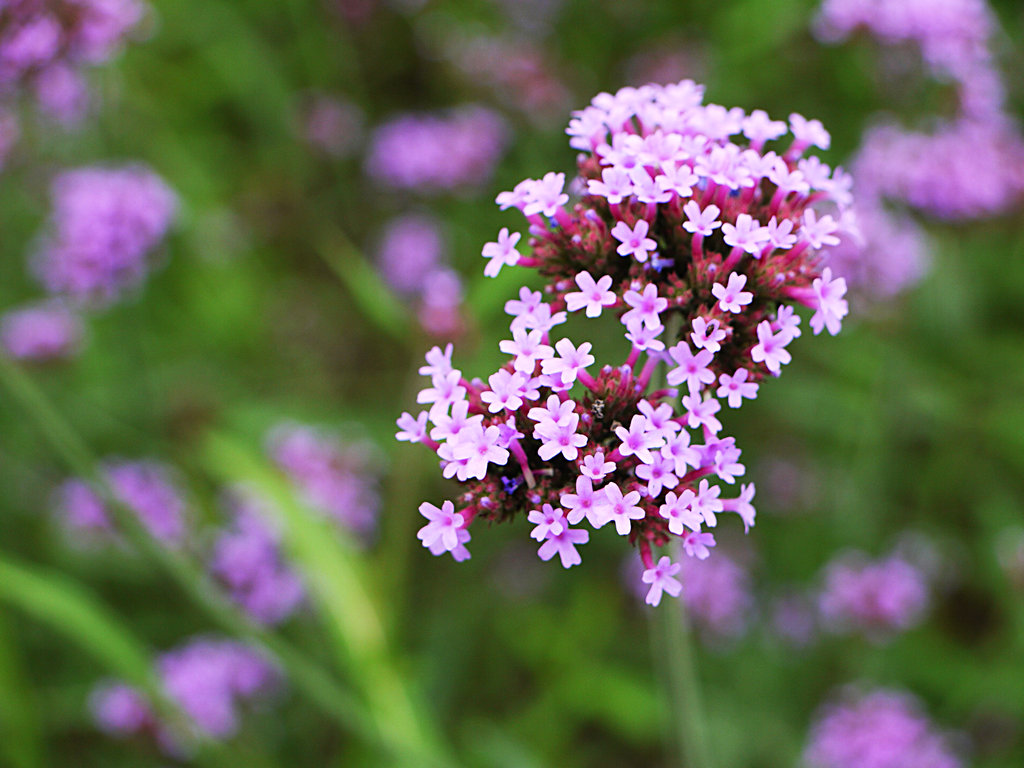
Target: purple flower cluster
(46,44)
(968,167)
(247,560)
(965,169)
(873,597)
(105,222)
(208,679)
(877,729)
(952,35)
(412,259)
(145,487)
(433,153)
(336,478)
(44,331)
(676,227)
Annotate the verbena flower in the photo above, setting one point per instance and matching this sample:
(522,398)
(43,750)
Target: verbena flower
(44,331)
(209,679)
(433,153)
(336,478)
(332,125)
(104,225)
(875,597)
(247,559)
(661,176)
(877,729)
(147,488)
(46,47)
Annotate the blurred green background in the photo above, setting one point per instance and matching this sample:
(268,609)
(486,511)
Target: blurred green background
(911,420)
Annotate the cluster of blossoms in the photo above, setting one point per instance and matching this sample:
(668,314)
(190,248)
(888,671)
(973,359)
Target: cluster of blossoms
(437,153)
(104,224)
(412,259)
(936,172)
(966,167)
(337,479)
(208,679)
(878,729)
(42,331)
(701,245)
(247,560)
(144,487)
(952,35)
(45,45)
(873,597)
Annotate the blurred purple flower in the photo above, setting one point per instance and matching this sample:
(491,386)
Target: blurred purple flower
(411,247)
(430,153)
(248,561)
(885,256)
(46,44)
(145,487)
(963,170)
(44,331)
(874,597)
(332,125)
(208,679)
(335,478)
(878,729)
(104,223)
(441,301)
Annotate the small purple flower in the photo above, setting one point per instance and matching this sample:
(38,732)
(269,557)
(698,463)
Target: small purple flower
(207,679)
(736,387)
(701,222)
(410,248)
(770,348)
(877,729)
(335,478)
(732,297)
(144,487)
(877,598)
(45,331)
(248,561)
(564,545)
(437,153)
(646,307)
(660,577)
(443,525)
(594,295)
(634,240)
(104,224)
(502,253)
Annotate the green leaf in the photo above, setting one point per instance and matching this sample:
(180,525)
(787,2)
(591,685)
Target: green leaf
(364,284)
(21,739)
(76,613)
(337,577)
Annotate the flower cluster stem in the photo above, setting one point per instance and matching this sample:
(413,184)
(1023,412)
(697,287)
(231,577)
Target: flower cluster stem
(681,676)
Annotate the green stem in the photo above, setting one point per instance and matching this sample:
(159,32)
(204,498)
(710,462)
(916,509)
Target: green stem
(689,726)
(306,676)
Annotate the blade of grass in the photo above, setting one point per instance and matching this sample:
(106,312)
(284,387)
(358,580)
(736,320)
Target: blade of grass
(336,574)
(367,288)
(21,736)
(312,680)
